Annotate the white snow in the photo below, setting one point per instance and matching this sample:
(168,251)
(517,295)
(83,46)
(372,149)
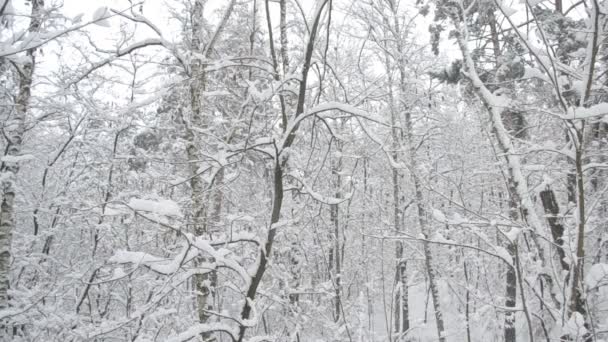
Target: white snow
(124,257)
(77,18)
(508,11)
(597,275)
(200,328)
(100,16)
(585,113)
(156,264)
(326,107)
(513,234)
(215,93)
(439,216)
(456,219)
(503,254)
(220,255)
(533,3)
(17,159)
(575,327)
(439,238)
(317,196)
(162,206)
(118,273)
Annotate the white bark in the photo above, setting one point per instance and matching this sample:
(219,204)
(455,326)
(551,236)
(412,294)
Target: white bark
(203,283)
(14,130)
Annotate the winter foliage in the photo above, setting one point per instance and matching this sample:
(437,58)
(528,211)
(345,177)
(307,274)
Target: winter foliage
(289,170)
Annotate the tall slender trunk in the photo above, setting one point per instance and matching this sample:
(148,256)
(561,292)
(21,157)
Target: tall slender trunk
(366,269)
(418,196)
(520,201)
(335,219)
(552,212)
(419,200)
(402,322)
(510,297)
(577,300)
(577,297)
(14,131)
(467,299)
(201,284)
(428,258)
(511,122)
(401,319)
(278,177)
(284,41)
(205,209)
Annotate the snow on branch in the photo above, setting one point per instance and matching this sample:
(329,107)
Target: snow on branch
(157,264)
(497,251)
(201,328)
(162,206)
(597,276)
(190,249)
(138,18)
(325,107)
(125,51)
(220,256)
(580,113)
(37,40)
(237,238)
(306,189)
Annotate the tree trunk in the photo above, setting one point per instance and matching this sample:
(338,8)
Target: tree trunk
(277,203)
(428,260)
(201,216)
(577,301)
(514,123)
(520,202)
(551,208)
(335,264)
(14,131)
(422,221)
(510,298)
(402,322)
(197,87)
(418,197)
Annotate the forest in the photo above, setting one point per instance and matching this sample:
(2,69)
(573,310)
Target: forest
(304,170)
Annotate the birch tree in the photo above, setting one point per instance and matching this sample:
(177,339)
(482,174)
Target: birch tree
(14,131)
